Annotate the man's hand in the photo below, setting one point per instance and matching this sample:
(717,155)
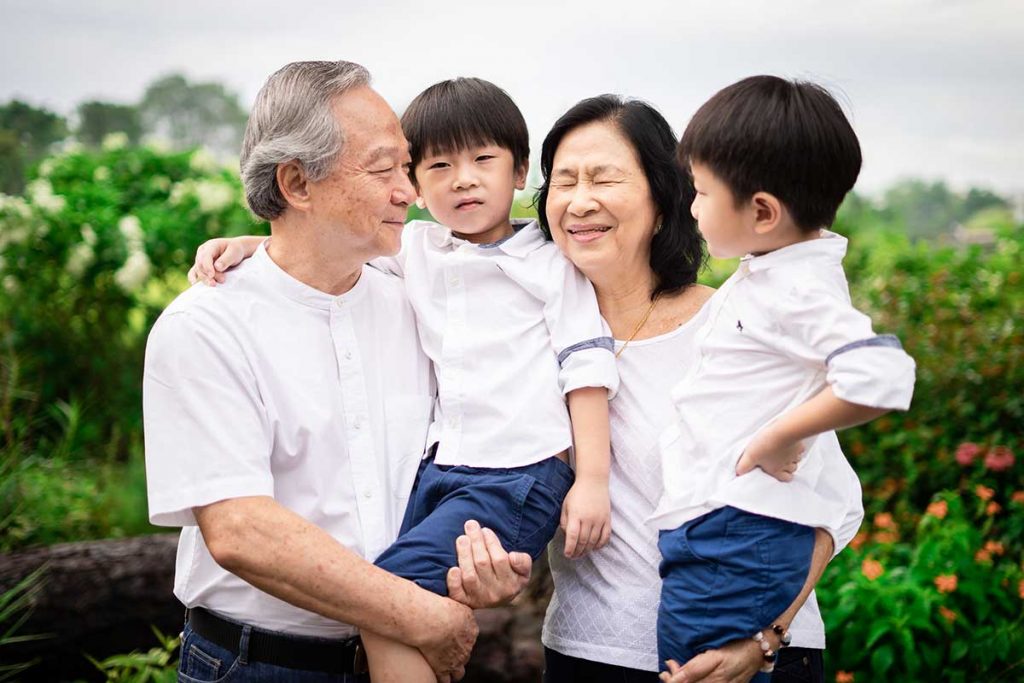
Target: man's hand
(773,453)
(450,638)
(487,576)
(736,662)
(586,516)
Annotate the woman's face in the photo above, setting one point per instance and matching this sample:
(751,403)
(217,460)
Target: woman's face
(599,203)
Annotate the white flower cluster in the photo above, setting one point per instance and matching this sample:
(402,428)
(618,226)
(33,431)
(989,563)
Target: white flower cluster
(15,221)
(114,141)
(82,255)
(40,191)
(135,271)
(213,195)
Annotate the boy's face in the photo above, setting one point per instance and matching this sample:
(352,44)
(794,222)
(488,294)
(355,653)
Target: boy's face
(728,230)
(471,191)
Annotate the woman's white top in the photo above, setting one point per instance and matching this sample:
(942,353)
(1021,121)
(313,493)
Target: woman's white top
(605,605)
(511,328)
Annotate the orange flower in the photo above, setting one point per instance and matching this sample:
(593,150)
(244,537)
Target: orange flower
(993,508)
(948,614)
(872,569)
(886,537)
(1020,589)
(844,677)
(1018,497)
(982,556)
(883,520)
(995,547)
(938,509)
(946,583)
(859,540)
(984,492)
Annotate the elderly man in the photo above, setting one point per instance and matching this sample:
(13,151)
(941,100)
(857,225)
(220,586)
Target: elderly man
(286,411)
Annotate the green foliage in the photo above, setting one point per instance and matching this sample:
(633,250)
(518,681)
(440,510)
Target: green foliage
(26,134)
(15,608)
(192,114)
(157,665)
(88,258)
(97,120)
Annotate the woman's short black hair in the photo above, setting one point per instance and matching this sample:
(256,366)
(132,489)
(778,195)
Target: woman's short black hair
(677,249)
(464,112)
(788,138)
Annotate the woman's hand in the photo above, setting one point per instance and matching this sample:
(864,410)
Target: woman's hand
(773,453)
(586,516)
(217,255)
(487,576)
(736,662)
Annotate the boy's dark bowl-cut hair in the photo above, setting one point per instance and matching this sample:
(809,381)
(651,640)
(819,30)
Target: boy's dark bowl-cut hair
(464,112)
(787,138)
(677,248)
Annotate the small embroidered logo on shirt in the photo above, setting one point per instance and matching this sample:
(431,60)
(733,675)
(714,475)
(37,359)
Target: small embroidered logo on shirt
(739,325)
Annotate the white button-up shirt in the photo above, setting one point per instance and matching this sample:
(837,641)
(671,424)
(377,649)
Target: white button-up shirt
(264,386)
(779,330)
(511,327)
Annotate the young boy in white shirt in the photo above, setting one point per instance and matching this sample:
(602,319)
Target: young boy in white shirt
(753,464)
(514,334)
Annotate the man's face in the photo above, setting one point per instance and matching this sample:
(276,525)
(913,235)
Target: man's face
(363,200)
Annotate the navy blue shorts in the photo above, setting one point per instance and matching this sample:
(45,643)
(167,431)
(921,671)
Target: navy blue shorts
(522,505)
(725,576)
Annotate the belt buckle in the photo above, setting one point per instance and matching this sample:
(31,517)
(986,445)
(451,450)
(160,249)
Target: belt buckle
(359,663)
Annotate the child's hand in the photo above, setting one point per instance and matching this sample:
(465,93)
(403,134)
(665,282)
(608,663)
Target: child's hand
(214,257)
(773,453)
(586,517)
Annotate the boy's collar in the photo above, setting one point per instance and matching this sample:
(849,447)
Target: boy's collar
(525,239)
(830,246)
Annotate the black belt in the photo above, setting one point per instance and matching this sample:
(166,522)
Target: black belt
(279,649)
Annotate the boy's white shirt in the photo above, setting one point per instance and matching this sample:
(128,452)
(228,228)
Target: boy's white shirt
(511,328)
(780,330)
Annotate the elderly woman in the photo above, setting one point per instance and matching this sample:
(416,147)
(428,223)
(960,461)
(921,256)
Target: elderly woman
(618,205)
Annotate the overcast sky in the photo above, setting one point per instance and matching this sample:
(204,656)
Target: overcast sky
(935,88)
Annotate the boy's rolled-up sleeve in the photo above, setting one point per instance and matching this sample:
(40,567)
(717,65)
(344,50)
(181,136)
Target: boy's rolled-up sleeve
(822,327)
(207,437)
(580,337)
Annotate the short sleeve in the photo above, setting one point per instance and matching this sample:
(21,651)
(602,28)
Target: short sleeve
(579,335)
(819,325)
(206,433)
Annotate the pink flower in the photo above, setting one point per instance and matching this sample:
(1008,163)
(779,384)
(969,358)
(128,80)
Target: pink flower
(967,452)
(999,459)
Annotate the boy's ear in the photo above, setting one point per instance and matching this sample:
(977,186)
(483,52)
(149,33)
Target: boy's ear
(294,184)
(520,175)
(767,212)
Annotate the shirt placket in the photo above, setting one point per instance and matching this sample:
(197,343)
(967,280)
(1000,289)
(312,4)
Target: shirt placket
(358,433)
(453,355)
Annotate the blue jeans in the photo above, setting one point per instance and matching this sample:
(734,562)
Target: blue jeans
(205,662)
(725,576)
(522,505)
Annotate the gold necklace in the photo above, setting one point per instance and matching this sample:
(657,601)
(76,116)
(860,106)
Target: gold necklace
(643,321)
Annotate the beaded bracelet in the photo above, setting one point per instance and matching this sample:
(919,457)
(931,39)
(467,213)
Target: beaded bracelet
(766,650)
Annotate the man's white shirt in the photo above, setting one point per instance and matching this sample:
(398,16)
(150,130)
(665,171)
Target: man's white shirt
(264,386)
(779,330)
(511,327)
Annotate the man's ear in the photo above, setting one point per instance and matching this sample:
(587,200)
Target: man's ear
(294,184)
(767,212)
(520,175)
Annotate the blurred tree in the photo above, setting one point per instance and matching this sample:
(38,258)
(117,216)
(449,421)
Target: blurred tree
(26,134)
(97,120)
(193,114)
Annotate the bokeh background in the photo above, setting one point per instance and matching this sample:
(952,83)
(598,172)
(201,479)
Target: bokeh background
(119,129)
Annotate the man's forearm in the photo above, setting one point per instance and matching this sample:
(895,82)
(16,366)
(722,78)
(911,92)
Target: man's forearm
(290,558)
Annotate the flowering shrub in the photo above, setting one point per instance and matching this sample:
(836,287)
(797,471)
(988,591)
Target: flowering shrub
(88,257)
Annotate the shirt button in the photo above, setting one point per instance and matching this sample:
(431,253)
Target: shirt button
(453,422)
(454,282)
(339,302)
(348,355)
(358,424)
(367,494)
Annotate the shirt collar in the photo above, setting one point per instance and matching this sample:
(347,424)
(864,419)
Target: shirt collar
(526,238)
(283,283)
(830,247)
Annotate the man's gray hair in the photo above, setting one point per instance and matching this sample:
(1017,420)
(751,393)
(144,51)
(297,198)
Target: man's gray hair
(292,120)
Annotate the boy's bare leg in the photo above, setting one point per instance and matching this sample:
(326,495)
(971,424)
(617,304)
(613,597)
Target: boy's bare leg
(393,662)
